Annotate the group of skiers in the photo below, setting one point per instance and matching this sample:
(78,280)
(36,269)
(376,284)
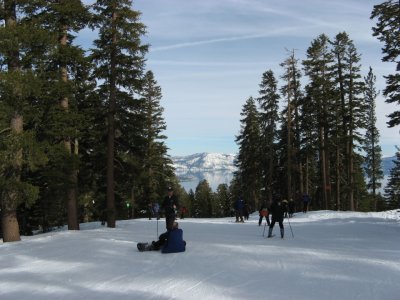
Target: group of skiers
(172,241)
(280,209)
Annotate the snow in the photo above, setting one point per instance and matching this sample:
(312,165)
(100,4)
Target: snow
(205,161)
(333,255)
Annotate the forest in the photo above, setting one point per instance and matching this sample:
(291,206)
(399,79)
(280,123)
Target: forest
(82,130)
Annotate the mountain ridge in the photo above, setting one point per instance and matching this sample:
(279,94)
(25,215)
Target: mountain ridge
(205,161)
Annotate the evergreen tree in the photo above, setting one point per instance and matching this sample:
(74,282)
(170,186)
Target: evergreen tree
(155,151)
(291,90)
(268,112)
(248,160)
(62,18)
(22,43)
(119,61)
(223,203)
(203,200)
(373,151)
(392,190)
(192,201)
(350,115)
(321,94)
(387,30)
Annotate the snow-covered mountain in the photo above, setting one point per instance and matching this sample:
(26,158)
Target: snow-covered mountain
(205,162)
(221,161)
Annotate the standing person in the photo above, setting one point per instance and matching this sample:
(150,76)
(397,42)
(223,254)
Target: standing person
(150,210)
(277,210)
(263,212)
(170,205)
(306,201)
(169,242)
(239,205)
(156,209)
(183,212)
(246,211)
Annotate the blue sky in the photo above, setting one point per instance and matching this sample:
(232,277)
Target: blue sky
(208,57)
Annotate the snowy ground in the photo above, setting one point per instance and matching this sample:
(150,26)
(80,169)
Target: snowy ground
(333,255)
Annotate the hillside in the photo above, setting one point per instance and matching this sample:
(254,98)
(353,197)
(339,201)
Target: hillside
(331,255)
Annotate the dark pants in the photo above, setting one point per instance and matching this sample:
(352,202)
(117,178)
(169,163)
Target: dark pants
(169,221)
(305,207)
(273,223)
(266,218)
(161,241)
(239,214)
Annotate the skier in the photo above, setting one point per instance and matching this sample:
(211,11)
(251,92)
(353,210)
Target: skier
(306,201)
(183,212)
(263,212)
(277,210)
(170,205)
(169,242)
(239,205)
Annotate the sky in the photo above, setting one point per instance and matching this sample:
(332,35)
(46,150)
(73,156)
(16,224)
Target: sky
(331,255)
(208,57)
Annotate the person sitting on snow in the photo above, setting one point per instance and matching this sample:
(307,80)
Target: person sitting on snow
(169,242)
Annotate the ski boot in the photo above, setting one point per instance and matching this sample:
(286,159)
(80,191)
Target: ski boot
(145,247)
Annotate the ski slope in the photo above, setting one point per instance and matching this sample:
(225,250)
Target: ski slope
(333,255)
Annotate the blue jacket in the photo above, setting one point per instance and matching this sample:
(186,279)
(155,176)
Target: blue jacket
(175,242)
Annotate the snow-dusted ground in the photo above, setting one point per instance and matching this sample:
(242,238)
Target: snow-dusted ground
(333,255)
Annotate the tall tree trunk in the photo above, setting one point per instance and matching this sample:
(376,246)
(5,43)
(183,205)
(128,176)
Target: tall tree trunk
(9,204)
(72,202)
(289,152)
(10,200)
(111,213)
(323,168)
(350,153)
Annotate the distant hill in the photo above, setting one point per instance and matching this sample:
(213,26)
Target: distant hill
(220,161)
(205,162)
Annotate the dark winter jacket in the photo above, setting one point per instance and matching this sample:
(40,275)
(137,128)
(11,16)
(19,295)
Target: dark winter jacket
(170,204)
(278,209)
(239,204)
(175,242)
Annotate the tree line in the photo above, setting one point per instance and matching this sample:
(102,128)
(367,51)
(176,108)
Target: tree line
(81,130)
(316,134)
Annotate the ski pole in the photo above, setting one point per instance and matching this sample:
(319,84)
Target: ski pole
(265,225)
(157,229)
(290,226)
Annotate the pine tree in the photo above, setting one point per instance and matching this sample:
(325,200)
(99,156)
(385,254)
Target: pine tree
(350,114)
(392,190)
(268,111)
(155,159)
(203,200)
(119,60)
(21,43)
(387,30)
(291,90)
(373,151)
(248,160)
(222,201)
(321,94)
(61,19)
